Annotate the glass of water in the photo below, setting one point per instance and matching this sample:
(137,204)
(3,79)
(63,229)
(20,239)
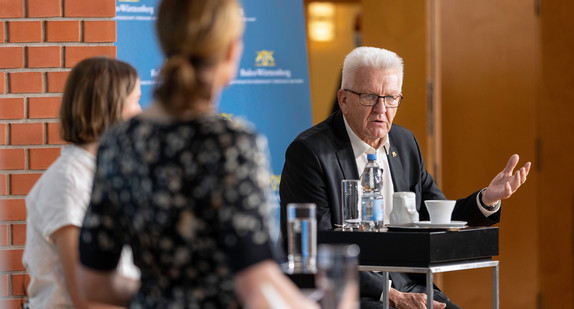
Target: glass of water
(337,275)
(351,192)
(302,237)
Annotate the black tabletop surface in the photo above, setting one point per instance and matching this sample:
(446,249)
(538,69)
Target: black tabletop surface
(418,248)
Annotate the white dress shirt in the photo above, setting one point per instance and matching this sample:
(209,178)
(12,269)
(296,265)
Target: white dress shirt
(360,150)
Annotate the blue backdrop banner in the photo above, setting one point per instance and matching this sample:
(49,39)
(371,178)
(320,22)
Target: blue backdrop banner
(271,89)
(137,42)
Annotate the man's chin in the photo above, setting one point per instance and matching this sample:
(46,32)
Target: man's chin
(379,133)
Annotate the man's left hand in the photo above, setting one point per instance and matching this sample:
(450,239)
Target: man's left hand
(505,183)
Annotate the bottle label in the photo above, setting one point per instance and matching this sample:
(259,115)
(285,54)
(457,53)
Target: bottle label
(378,209)
(367,210)
(372,209)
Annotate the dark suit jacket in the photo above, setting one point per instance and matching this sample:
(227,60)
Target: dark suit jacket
(319,158)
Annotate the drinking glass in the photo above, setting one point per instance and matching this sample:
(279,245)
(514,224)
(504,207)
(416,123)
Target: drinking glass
(301,238)
(351,192)
(337,275)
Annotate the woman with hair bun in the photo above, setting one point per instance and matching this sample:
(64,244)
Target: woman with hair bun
(187,190)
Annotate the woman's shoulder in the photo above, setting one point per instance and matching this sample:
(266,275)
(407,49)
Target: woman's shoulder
(228,122)
(220,126)
(221,129)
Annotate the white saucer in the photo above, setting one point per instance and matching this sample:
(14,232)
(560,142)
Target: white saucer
(452,224)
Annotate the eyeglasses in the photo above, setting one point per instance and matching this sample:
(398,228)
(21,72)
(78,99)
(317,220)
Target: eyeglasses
(369,99)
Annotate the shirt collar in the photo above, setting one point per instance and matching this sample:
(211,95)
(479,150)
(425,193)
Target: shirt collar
(359,146)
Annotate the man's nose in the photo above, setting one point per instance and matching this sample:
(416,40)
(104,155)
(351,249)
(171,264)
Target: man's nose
(380,107)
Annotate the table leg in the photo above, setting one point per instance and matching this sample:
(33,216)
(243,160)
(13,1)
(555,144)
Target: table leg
(430,290)
(495,291)
(385,290)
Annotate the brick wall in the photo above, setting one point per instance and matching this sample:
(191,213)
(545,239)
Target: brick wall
(40,40)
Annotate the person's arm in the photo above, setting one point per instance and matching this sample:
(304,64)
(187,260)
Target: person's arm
(107,287)
(258,280)
(302,180)
(263,285)
(66,241)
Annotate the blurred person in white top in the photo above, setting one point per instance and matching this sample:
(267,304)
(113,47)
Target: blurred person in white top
(99,93)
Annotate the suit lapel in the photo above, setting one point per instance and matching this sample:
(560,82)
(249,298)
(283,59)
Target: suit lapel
(396,169)
(347,163)
(344,152)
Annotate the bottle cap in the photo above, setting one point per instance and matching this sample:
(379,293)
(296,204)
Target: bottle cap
(371,156)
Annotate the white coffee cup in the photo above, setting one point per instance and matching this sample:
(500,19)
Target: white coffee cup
(440,211)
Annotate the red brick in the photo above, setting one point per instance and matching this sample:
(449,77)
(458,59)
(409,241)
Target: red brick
(26,133)
(11,260)
(57,81)
(4,242)
(1,32)
(63,31)
(12,210)
(18,234)
(20,284)
(12,159)
(26,82)
(11,8)
(44,57)
(44,107)
(16,303)
(11,108)
(24,31)
(94,8)
(2,82)
(44,8)
(3,185)
(75,54)
(4,287)
(2,134)
(100,31)
(54,136)
(11,57)
(20,184)
(42,158)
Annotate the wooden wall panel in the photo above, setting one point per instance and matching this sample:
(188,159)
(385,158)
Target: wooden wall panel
(489,62)
(400,26)
(556,185)
(326,61)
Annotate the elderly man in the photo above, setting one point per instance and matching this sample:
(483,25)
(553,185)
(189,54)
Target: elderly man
(335,149)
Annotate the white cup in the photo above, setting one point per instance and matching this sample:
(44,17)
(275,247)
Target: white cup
(440,211)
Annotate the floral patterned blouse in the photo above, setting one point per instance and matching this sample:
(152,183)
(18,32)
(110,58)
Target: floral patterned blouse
(192,201)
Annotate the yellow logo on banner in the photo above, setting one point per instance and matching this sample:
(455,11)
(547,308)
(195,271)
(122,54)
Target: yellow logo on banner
(264,59)
(275,181)
(226,116)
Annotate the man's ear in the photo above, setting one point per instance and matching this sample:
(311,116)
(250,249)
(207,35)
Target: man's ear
(342,98)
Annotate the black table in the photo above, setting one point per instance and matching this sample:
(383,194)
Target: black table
(425,251)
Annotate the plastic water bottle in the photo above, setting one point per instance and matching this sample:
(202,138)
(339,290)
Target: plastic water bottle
(372,202)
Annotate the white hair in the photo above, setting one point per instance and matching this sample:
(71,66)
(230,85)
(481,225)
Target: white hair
(370,57)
